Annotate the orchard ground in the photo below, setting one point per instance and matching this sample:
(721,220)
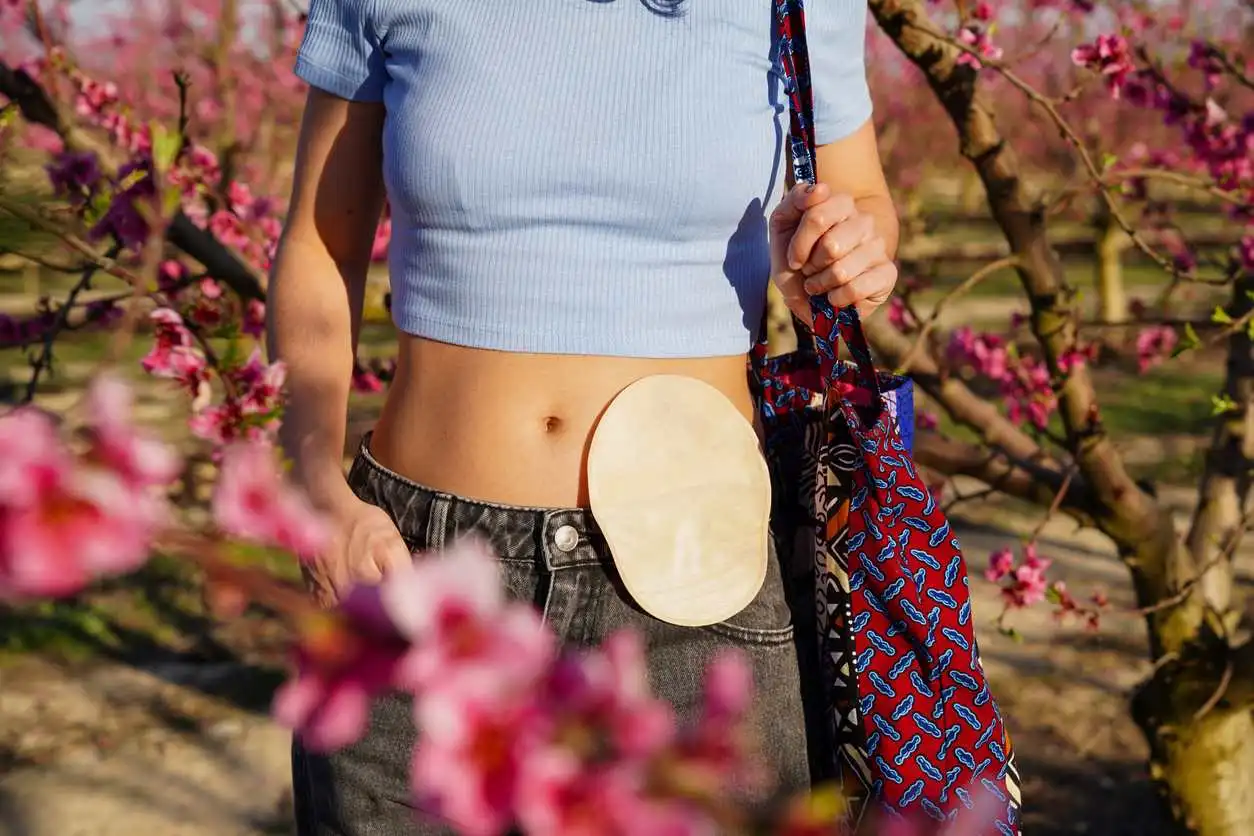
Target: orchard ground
(131,710)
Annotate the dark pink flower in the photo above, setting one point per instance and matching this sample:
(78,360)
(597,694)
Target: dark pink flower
(344,659)
(254,324)
(468,769)
(1110,56)
(64,522)
(173,355)
(1153,345)
(1000,564)
(75,175)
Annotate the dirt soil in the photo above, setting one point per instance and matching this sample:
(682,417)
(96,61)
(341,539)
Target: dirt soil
(186,750)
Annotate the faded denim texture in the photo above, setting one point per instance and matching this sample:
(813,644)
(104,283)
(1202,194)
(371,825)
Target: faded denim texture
(363,790)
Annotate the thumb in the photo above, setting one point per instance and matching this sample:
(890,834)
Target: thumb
(794,204)
(787,216)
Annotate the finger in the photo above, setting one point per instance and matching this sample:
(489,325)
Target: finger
(391,553)
(858,261)
(343,577)
(816,221)
(868,291)
(794,205)
(838,242)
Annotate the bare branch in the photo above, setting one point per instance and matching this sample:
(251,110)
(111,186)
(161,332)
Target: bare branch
(218,259)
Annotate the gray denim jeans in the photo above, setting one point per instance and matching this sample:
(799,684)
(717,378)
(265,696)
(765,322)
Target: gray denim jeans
(556,559)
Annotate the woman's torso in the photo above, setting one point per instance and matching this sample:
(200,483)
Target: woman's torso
(510,427)
(578,193)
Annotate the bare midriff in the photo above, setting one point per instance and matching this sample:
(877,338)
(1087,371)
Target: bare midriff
(514,428)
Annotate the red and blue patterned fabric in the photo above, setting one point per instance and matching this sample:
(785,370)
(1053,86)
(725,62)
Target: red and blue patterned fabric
(915,730)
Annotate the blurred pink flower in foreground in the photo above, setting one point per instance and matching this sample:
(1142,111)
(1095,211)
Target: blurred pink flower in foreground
(511,731)
(65,519)
(252,501)
(344,660)
(467,637)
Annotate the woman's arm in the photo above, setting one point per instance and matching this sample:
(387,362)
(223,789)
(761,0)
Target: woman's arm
(318,283)
(851,166)
(841,237)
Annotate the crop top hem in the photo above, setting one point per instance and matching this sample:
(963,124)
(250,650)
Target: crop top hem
(593,342)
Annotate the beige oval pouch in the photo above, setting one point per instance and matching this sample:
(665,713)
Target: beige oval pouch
(679,488)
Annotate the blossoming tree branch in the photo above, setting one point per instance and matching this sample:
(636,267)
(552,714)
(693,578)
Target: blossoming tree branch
(163,175)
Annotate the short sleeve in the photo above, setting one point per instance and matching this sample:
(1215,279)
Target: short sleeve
(341,52)
(836,37)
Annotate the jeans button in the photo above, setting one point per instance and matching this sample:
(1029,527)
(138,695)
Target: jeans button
(566,538)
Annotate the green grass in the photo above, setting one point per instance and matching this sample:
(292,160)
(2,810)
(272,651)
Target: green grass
(1172,400)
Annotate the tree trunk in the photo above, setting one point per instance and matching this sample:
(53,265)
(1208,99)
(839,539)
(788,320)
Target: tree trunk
(1108,266)
(1195,708)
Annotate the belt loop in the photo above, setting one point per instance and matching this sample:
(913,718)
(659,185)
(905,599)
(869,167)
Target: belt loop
(437,522)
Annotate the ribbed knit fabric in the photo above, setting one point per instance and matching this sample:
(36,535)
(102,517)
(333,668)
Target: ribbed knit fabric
(582,176)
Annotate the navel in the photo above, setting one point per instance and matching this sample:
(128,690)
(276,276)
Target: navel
(552,425)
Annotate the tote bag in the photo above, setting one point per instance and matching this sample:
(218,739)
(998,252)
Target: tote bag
(905,720)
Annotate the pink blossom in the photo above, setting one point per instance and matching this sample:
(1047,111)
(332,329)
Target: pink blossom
(220,424)
(566,798)
(1110,56)
(981,47)
(716,752)
(467,637)
(366,382)
(226,227)
(141,461)
(260,384)
(1000,564)
(605,693)
(469,765)
(254,324)
(172,355)
(1028,584)
(382,240)
(344,659)
(252,501)
(63,523)
(1153,344)
(75,175)
(899,314)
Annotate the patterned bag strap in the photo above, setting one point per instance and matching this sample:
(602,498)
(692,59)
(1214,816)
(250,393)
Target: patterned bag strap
(829,325)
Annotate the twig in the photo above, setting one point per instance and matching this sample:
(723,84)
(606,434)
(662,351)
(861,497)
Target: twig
(44,360)
(1072,138)
(961,290)
(1059,496)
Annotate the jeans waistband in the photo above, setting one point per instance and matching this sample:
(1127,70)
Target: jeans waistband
(431,519)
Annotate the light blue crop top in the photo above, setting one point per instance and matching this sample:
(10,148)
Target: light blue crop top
(582,176)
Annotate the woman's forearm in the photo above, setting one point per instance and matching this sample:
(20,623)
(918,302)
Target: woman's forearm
(314,309)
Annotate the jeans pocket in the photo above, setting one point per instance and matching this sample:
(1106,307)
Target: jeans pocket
(767,620)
